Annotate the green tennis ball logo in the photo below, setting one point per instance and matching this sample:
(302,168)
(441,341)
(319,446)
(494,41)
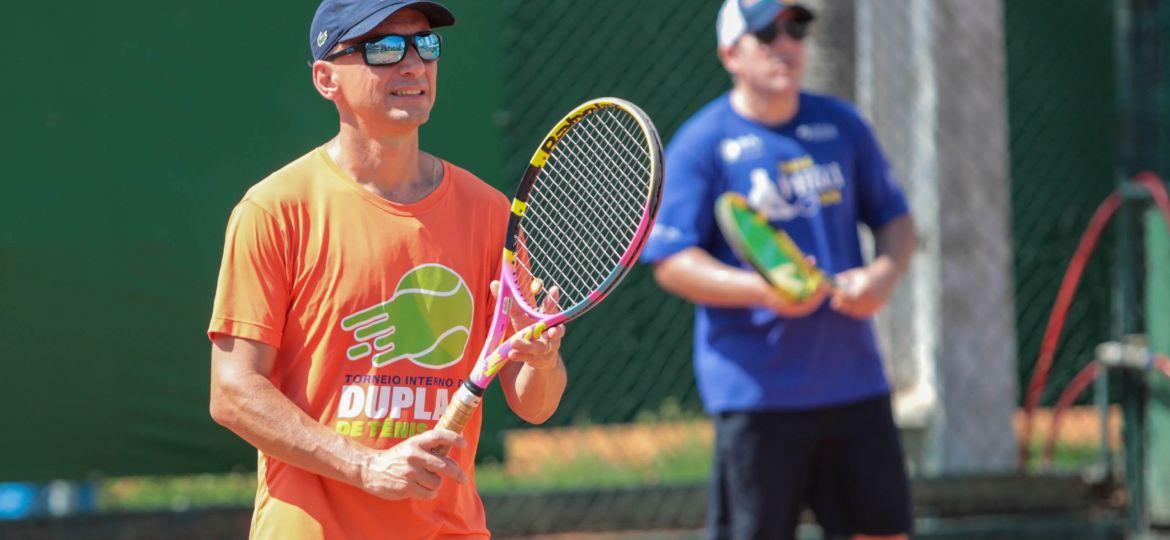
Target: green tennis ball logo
(427,321)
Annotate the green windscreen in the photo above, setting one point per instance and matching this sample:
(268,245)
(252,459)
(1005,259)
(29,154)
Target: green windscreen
(146,124)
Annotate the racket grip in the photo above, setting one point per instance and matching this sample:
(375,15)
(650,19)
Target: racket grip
(458,414)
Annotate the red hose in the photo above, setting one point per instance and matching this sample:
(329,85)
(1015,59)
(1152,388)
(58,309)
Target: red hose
(1068,286)
(1064,298)
(1074,390)
(1071,392)
(1158,190)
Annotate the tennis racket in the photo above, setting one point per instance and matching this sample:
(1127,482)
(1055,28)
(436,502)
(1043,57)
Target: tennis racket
(769,250)
(579,219)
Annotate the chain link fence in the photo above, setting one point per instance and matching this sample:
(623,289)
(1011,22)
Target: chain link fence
(996,117)
(1063,166)
(1000,120)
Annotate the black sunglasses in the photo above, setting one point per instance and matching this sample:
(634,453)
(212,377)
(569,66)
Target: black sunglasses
(391,48)
(796,28)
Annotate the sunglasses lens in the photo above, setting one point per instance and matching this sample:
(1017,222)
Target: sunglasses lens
(767,34)
(428,46)
(387,50)
(797,29)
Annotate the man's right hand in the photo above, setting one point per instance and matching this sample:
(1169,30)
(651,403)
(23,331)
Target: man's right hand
(787,308)
(410,470)
(697,276)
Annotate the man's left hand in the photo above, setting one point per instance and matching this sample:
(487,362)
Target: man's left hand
(538,353)
(861,292)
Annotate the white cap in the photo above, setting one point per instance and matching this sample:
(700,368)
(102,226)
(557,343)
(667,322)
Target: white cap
(738,17)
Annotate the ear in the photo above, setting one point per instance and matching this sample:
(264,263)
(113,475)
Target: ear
(729,56)
(325,80)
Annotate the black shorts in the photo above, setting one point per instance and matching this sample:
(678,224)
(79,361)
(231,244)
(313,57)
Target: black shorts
(844,462)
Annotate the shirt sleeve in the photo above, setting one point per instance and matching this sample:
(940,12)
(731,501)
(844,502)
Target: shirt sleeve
(880,198)
(252,293)
(687,215)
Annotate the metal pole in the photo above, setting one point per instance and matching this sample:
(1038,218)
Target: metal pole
(1138,73)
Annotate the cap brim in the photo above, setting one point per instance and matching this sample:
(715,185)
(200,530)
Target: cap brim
(435,13)
(764,19)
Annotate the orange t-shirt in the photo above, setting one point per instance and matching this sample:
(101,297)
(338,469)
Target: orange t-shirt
(378,312)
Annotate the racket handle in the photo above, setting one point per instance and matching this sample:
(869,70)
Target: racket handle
(459,412)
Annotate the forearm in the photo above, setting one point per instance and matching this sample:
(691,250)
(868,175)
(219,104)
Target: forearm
(534,394)
(697,276)
(250,406)
(894,246)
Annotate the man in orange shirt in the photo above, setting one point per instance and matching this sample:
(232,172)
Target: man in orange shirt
(354,297)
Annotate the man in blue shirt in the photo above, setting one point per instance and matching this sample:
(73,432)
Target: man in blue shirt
(797,391)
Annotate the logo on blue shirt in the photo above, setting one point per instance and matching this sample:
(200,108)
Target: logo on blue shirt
(800,189)
(818,132)
(740,148)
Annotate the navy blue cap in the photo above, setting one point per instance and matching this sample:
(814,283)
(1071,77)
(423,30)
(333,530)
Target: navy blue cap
(739,17)
(343,20)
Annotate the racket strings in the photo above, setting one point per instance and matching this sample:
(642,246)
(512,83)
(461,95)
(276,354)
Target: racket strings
(585,207)
(572,157)
(581,229)
(611,218)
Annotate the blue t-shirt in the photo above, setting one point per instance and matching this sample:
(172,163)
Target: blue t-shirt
(816,176)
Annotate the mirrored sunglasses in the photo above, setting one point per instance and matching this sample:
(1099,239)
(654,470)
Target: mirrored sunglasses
(391,48)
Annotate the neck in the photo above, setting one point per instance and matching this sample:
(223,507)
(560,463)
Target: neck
(390,165)
(770,108)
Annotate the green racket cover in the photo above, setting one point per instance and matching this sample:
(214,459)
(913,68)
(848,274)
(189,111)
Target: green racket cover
(770,251)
